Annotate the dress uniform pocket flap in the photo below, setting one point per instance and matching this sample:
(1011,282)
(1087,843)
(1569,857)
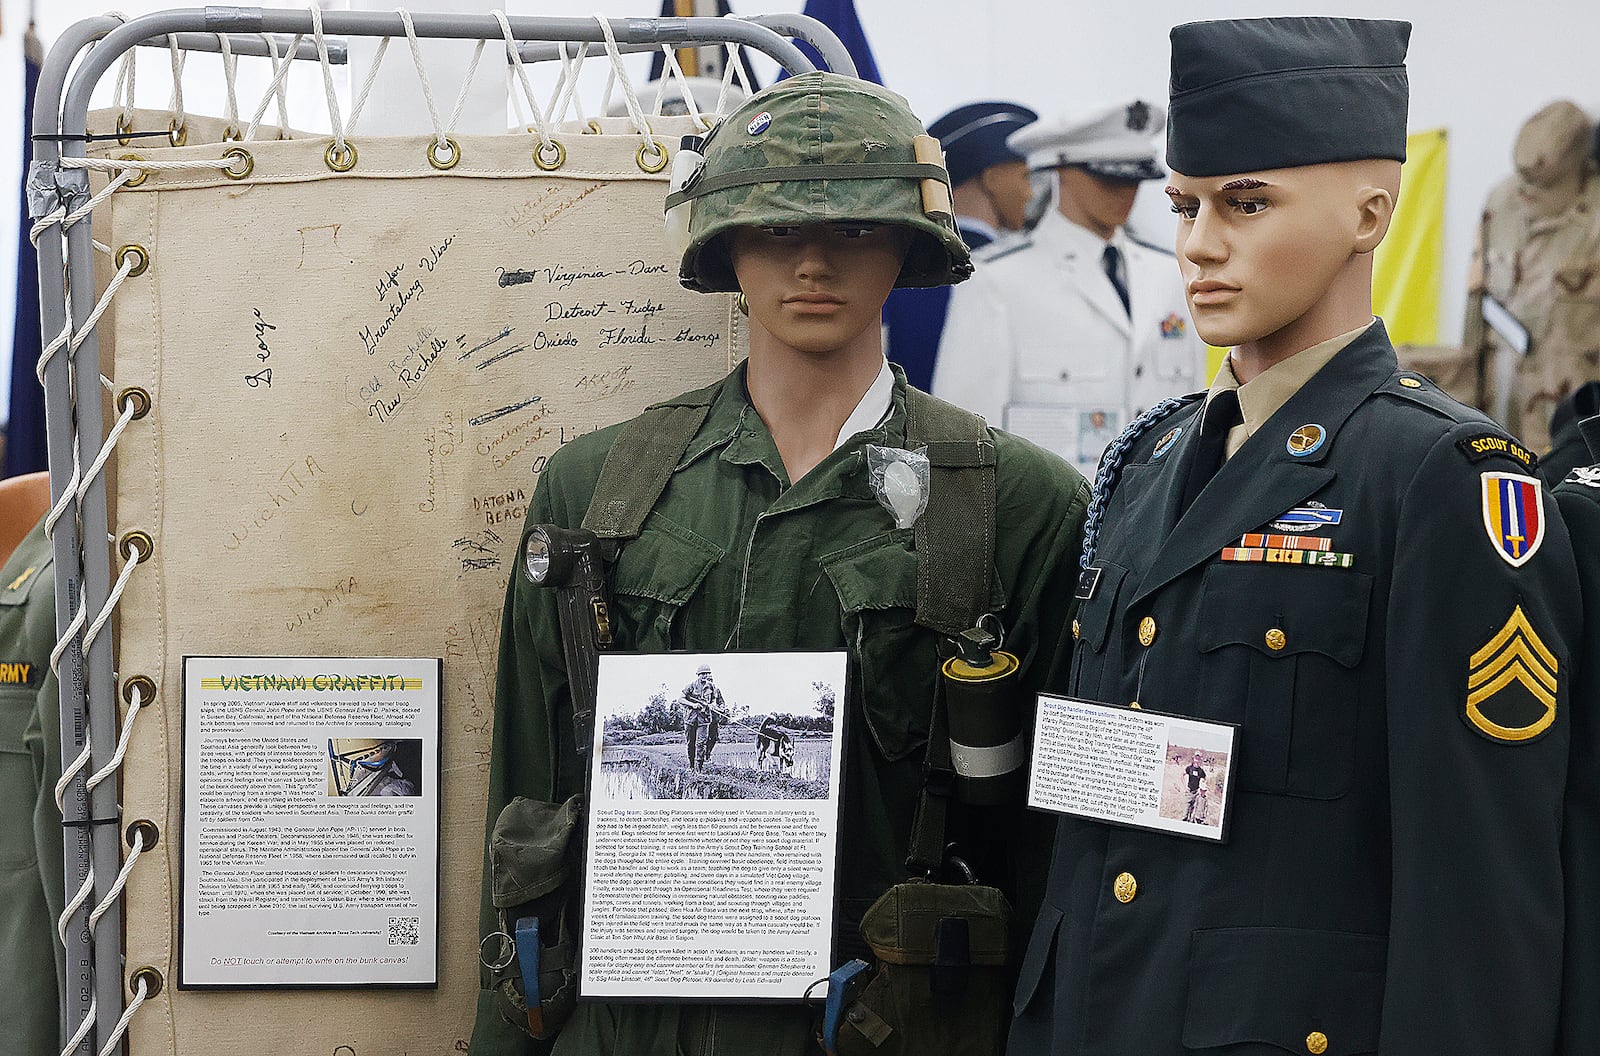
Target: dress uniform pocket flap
(1297,990)
(879,573)
(16,708)
(1100,582)
(1041,947)
(667,562)
(1282,611)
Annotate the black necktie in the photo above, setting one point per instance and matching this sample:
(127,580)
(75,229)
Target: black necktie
(1111,260)
(1221,415)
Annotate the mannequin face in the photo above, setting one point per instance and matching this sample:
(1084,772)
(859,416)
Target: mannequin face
(818,288)
(1282,251)
(1094,202)
(1008,189)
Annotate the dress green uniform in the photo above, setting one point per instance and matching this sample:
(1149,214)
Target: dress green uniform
(1568,448)
(735,556)
(1377,591)
(31,891)
(1579,498)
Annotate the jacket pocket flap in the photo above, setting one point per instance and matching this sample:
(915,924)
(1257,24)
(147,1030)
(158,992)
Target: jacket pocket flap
(528,849)
(1040,948)
(1101,581)
(1283,610)
(1282,985)
(667,562)
(878,573)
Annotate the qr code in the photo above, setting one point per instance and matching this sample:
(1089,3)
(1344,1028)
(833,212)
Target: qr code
(403,931)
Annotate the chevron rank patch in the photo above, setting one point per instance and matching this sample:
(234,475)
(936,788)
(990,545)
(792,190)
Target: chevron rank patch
(1513,515)
(1511,683)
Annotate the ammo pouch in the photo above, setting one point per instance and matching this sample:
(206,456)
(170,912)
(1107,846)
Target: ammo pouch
(533,867)
(942,983)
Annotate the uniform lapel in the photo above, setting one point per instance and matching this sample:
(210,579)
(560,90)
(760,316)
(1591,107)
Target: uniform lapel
(1263,480)
(1077,254)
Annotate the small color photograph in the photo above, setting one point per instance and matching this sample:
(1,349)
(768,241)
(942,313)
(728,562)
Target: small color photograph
(1192,784)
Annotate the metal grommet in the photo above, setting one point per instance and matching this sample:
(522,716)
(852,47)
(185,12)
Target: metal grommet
(151,977)
(136,538)
(124,130)
(560,153)
(594,126)
(130,249)
(136,396)
(144,684)
(143,175)
(742,303)
(232,134)
(340,161)
(455,154)
(142,832)
(661,156)
(234,154)
(177,134)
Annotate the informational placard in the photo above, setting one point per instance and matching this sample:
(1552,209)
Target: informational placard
(713,825)
(310,822)
(1126,766)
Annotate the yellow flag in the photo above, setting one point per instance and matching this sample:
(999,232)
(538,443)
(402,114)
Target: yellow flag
(1408,265)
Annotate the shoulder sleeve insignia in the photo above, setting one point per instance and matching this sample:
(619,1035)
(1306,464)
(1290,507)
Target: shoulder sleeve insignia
(1513,515)
(1511,683)
(1492,445)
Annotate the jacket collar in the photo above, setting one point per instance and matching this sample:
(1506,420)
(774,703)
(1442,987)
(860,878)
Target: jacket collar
(1078,252)
(1264,479)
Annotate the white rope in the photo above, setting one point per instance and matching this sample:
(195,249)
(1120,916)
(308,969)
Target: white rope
(729,67)
(122,1024)
(83,1028)
(466,86)
(674,70)
(539,121)
(74,905)
(618,73)
(230,75)
(277,87)
(135,166)
(179,58)
(111,602)
(327,80)
(120,882)
(422,75)
(569,76)
(65,782)
(124,103)
(134,707)
(366,88)
(735,56)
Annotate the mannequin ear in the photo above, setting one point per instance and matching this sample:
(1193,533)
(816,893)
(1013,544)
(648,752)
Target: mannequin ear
(1375,210)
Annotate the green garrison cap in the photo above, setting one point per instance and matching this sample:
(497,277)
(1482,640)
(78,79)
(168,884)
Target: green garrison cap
(1273,93)
(818,148)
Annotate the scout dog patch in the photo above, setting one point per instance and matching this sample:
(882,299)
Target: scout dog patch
(1511,683)
(1513,516)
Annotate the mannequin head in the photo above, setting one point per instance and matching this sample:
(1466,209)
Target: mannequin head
(1282,258)
(1099,203)
(988,178)
(998,195)
(817,288)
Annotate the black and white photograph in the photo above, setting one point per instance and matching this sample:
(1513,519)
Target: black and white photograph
(717,726)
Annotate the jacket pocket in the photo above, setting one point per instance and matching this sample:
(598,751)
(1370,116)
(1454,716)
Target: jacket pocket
(1287,641)
(1279,986)
(18,787)
(1090,626)
(1041,948)
(1575,315)
(896,659)
(655,576)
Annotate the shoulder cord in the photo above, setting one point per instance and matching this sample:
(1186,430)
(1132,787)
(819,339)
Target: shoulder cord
(1105,477)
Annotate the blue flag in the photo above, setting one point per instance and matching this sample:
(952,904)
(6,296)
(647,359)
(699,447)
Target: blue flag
(840,16)
(25,439)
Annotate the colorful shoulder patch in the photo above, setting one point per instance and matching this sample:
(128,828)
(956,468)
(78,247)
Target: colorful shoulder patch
(1495,445)
(1513,515)
(1511,683)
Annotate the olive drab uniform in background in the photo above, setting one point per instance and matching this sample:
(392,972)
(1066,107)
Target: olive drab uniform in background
(1380,594)
(732,554)
(31,882)
(1538,255)
(1579,498)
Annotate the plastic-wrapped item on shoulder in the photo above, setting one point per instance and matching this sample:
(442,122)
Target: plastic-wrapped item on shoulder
(900,481)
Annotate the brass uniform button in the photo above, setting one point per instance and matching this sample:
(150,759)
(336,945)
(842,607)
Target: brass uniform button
(1134,704)
(1147,631)
(1077,631)
(1125,887)
(1276,640)
(1410,383)
(1316,1043)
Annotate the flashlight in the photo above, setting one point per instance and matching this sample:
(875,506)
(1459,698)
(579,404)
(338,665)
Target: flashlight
(571,562)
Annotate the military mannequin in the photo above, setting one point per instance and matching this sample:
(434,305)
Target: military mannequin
(1568,448)
(1360,574)
(990,187)
(1579,498)
(32,889)
(767,534)
(1538,257)
(1063,336)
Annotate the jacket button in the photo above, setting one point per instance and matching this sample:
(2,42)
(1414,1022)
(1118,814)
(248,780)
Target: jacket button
(1134,704)
(1077,630)
(1316,1043)
(1125,887)
(1276,640)
(1147,631)
(1411,383)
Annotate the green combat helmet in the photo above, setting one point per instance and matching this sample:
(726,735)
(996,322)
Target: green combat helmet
(815,148)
